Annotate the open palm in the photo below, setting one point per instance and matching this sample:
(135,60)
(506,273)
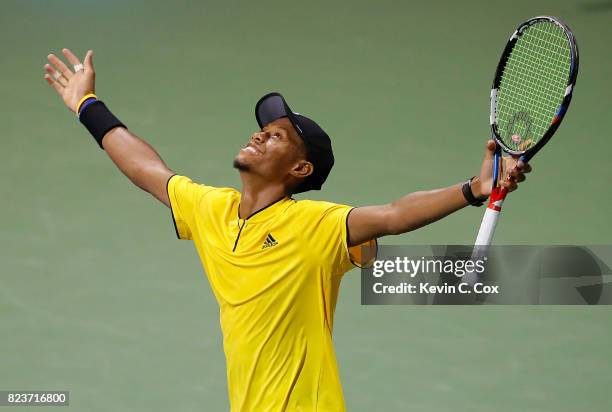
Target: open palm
(71,85)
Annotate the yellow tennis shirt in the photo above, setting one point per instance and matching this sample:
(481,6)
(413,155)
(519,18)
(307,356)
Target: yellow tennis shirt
(275,275)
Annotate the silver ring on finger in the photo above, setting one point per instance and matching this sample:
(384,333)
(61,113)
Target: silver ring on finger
(57,75)
(78,67)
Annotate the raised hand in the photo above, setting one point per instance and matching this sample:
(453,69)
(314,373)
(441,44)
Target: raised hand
(73,84)
(512,173)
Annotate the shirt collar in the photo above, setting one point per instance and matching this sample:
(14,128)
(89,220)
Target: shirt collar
(267,212)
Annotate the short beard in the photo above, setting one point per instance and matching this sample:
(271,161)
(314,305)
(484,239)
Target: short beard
(241,166)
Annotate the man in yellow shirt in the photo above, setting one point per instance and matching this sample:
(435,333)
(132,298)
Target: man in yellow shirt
(274,263)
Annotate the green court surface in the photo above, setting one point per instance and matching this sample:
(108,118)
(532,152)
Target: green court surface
(98,297)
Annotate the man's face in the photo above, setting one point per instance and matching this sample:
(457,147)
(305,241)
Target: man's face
(276,153)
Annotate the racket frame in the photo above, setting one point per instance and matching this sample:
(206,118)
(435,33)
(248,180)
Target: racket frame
(498,195)
(529,153)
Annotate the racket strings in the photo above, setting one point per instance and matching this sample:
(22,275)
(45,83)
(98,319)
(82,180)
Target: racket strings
(536,74)
(551,44)
(532,85)
(543,70)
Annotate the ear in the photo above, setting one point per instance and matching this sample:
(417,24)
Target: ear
(302,169)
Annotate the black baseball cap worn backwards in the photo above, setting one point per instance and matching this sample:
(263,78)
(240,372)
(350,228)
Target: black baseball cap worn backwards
(272,107)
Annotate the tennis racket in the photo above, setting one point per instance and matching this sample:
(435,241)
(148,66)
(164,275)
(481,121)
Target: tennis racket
(530,96)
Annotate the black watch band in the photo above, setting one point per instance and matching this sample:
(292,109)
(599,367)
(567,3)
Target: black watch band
(469,196)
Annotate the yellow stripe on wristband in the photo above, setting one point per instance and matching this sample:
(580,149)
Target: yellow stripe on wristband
(87,96)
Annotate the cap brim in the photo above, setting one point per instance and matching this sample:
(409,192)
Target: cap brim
(273,106)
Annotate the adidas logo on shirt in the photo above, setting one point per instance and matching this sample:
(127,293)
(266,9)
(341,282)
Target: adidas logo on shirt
(269,242)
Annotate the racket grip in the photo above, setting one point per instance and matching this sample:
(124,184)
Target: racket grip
(491,216)
(487,228)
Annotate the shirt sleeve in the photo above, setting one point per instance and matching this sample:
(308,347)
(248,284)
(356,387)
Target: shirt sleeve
(184,196)
(331,239)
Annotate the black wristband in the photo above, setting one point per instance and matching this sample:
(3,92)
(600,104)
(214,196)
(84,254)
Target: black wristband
(99,120)
(469,196)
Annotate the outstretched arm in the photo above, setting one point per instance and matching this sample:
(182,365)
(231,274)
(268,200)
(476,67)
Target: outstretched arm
(421,208)
(133,156)
(139,162)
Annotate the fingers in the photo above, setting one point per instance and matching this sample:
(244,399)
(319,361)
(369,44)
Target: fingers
(524,167)
(516,175)
(510,185)
(490,149)
(71,57)
(521,167)
(56,75)
(89,61)
(59,65)
(58,87)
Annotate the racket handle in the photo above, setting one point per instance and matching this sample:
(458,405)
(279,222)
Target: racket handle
(489,221)
(487,229)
